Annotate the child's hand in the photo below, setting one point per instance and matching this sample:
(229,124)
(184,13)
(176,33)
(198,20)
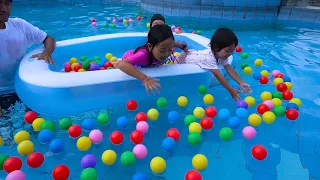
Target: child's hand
(152,85)
(234,94)
(44,56)
(186,49)
(246,88)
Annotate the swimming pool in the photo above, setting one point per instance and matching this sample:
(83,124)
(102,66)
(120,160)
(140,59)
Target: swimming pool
(293,147)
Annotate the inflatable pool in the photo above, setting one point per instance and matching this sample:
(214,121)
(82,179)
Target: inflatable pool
(47,90)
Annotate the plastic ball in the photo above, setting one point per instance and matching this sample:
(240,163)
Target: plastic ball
(162,102)
(61,172)
(277,81)
(247,70)
(234,122)
(194,138)
(173,116)
(208,99)
(182,101)
(11,164)
(244,65)
(250,101)
(244,55)
(282,87)
(199,112)
(206,123)
(140,151)
(262,108)
(130,102)
(292,114)
(264,80)
(21,136)
(189,119)
(136,137)
(274,73)
(140,176)
(265,96)
(68,68)
(48,125)
(168,144)
(193,175)
(88,124)
(224,114)
(287,95)
(254,120)
(35,160)
(249,132)
(141,116)
(256,75)
(286,79)
(258,62)
(122,122)
(86,65)
(202,89)
(242,104)
(238,49)
(116,137)
(65,123)
(268,117)
(142,126)
(158,164)
(45,136)
(56,146)
(16,175)
(73,60)
(109,157)
(173,133)
(30,116)
(132,105)
(277,94)
(36,124)
(280,75)
(242,113)
(25,147)
(269,103)
(259,152)
(153,114)
(103,119)
(89,174)
(74,131)
(96,136)
(226,134)
(127,158)
(289,85)
(88,161)
(83,143)
(276,102)
(279,111)
(211,111)
(199,162)
(195,127)
(113,59)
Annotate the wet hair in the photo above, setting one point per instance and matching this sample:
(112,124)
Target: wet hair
(156,35)
(156,17)
(223,38)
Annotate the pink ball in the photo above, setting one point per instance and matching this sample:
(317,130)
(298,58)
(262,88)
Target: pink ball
(67,64)
(142,126)
(130,20)
(275,73)
(114,21)
(16,175)
(94,24)
(96,136)
(140,151)
(249,132)
(269,103)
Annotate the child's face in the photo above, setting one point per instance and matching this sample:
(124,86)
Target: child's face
(162,50)
(5,8)
(157,22)
(226,52)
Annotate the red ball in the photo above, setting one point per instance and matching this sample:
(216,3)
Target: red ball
(116,137)
(206,123)
(211,111)
(238,49)
(108,64)
(262,108)
(74,131)
(60,172)
(173,133)
(132,105)
(141,116)
(193,175)
(292,114)
(11,164)
(136,137)
(139,18)
(35,160)
(30,116)
(77,67)
(259,152)
(264,80)
(282,87)
(93,20)
(67,69)
(287,95)
(193,32)
(280,75)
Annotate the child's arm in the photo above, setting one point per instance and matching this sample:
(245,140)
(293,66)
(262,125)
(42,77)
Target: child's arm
(49,46)
(182,46)
(235,76)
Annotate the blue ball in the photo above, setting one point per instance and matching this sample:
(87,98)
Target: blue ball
(292,106)
(223,114)
(242,113)
(236,86)
(101,63)
(56,146)
(140,176)
(234,122)
(122,122)
(45,136)
(256,75)
(168,144)
(88,124)
(286,79)
(173,116)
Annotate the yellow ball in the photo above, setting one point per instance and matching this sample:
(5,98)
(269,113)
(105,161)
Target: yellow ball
(297,101)
(73,60)
(277,81)
(73,65)
(208,99)
(198,112)
(113,59)
(153,114)
(176,54)
(21,136)
(247,70)
(199,162)
(254,120)
(109,157)
(258,62)
(109,56)
(269,117)
(25,147)
(276,102)
(182,101)
(36,124)
(289,85)
(148,25)
(81,70)
(158,164)
(265,96)
(125,21)
(250,100)
(83,143)
(195,127)
(264,73)
(1,141)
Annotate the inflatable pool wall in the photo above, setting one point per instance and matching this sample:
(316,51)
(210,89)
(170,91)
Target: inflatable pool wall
(47,90)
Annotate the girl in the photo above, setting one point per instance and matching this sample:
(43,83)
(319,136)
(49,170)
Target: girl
(223,43)
(153,54)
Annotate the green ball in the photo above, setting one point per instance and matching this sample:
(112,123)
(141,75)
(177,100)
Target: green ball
(83,58)
(202,89)
(106,25)
(189,119)
(65,123)
(137,14)
(113,25)
(48,125)
(128,158)
(103,118)
(194,138)
(244,55)
(89,174)
(86,64)
(226,134)
(96,58)
(277,94)
(244,65)
(199,32)
(162,102)
(279,111)
(3,158)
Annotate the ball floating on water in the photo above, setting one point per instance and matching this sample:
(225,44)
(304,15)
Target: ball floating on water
(61,172)
(244,55)
(116,137)
(142,126)
(136,137)
(173,133)
(202,89)
(132,105)
(25,147)
(277,81)
(74,131)
(189,119)
(226,134)
(199,112)
(193,175)
(96,136)
(16,175)
(168,144)
(140,151)
(269,103)
(247,70)
(88,161)
(65,123)
(256,75)
(30,116)
(287,95)
(73,60)
(277,94)
(277,101)
(296,101)
(264,80)
(173,116)
(56,146)
(254,120)
(158,164)
(199,162)
(242,104)
(268,117)
(182,101)
(113,59)
(162,102)
(211,111)
(141,116)
(48,125)
(244,65)
(148,25)
(249,132)
(153,114)
(234,122)
(282,87)
(274,73)
(279,111)
(83,143)
(265,96)
(194,138)
(289,85)
(264,73)
(11,164)
(45,136)
(89,174)
(88,124)
(238,49)
(259,152)
(242,113)
(36,124)
(195,127)
(127,159)
(250,101)
(103,118)
(258,62)
(109,157)
(122,122)
(140,176)
(224,114)
(21,136)
(206,123)
(208,99)
(262,108)
(292,114)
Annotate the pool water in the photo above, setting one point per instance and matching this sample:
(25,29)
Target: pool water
(293,146)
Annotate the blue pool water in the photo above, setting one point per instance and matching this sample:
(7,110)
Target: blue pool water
(293,147)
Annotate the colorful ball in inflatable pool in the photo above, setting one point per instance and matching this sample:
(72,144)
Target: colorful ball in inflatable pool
(173,133)
(153,114)
(199,112)
(234,122)
(65,123)
(264,80)
(211,111)
(199,162)
(116,137)
(16,175)
(193,175)
(61,172)
(259,152)
(268,117)
(194,138)
(258,62)
(254,120)
(208,99)
(88,161)
(136,137)
(96,136)
(182,101)
(21,136)
(56,146)
(140,176)
(158,164)
(83,143)
(279,111)
(242,113)
(88,124)
(11,164)
(74,131)
(122,122)
(30,116)
(45,136)
(224,114)
(36,124)
(292,114)
(195,127)
(173,116)
(162,102)
(249,132)
(109,157)
(132,105)
(25,147)
(189,119)
(35,160)
(127,159)
(141,116)
(142,126)
(242,104)
(140,151)
(206,123)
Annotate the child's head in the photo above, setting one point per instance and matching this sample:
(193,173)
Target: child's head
(223,43)
(5,8)
(157,19)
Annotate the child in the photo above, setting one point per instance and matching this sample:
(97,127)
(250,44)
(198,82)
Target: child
(153,54)
(16,36)
(223,43)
